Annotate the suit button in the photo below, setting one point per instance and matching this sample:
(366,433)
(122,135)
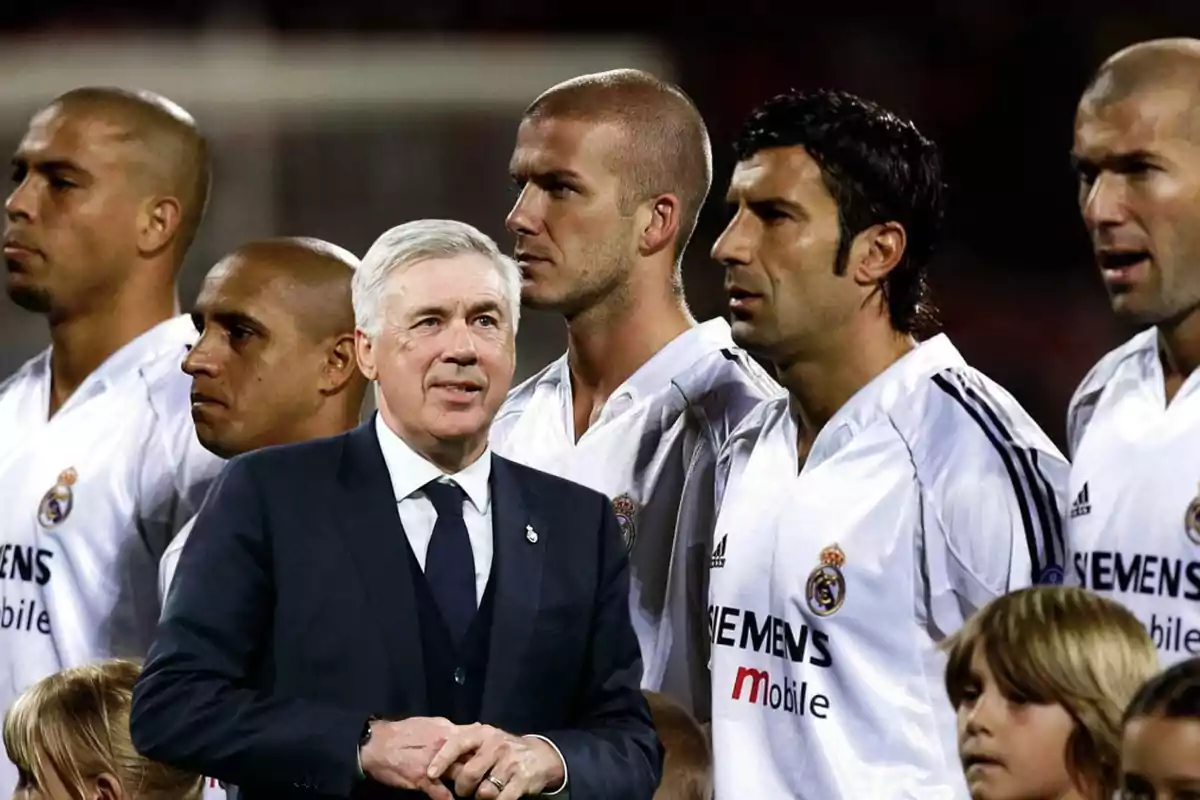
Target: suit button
(460,676)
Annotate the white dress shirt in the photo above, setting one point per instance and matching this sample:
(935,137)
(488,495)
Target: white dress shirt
(409,471)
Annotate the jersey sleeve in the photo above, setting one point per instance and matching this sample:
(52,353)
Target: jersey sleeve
(686,677)
(992,524)
(1091,389)
(175,470)
(1080,410)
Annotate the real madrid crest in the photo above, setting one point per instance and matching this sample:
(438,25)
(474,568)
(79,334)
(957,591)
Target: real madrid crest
(56,503)
(826,585)
(1191,520)
(626,512)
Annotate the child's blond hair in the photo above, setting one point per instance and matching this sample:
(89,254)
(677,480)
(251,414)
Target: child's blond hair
(1065,646)
(75,723)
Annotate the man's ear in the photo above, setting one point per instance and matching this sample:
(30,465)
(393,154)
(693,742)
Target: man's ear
(875,252)
(661,225)
(341,363)
(364,349)
(158,223)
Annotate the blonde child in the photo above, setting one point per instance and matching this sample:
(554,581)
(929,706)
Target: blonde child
(1040,679)
(68,735)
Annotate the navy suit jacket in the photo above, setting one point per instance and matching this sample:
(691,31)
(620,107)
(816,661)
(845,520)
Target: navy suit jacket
(292,619)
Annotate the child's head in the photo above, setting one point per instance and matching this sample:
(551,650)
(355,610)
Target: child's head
(1039,679)
(1160,748)
(68,735)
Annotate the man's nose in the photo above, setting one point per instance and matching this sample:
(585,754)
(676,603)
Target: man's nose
(200,359)
(524,219)
(462,347)
(733,247)
(1105,202)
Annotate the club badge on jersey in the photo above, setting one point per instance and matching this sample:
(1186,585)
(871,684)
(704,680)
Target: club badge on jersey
(1191,520)
(826,589)
(57,502)
(626,512)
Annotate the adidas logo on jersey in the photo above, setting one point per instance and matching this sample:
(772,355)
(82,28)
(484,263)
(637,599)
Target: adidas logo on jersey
(1082,505)
(718,554)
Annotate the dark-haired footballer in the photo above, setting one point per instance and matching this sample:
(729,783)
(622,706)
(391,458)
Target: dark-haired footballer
(893,492)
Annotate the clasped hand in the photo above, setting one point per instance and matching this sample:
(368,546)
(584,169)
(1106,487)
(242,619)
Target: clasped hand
(482,761)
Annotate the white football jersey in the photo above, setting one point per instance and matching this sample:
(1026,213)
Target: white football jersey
(1134,515)
(652,450)
(170,559)
(89,500)
(928,494)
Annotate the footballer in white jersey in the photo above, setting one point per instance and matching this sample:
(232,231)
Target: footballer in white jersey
(927,495)
(612,170)
(653,451)
(1134,493)
(274,361)
(91,497)
(1134,515)
(892,493)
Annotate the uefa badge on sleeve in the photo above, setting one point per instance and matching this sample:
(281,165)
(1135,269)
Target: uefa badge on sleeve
(1052,575)
(57,502)
(625,511)
(826,585)
(1191,520)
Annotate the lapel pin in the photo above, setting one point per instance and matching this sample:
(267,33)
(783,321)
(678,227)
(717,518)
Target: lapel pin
(530,534)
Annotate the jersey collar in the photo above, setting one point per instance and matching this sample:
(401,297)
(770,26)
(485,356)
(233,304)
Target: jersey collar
(172,334)
(677,357)
(894,386)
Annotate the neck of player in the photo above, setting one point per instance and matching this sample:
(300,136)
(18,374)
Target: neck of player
(1179,349)
(611,341)
(81,342)
(828,373)
(336,416)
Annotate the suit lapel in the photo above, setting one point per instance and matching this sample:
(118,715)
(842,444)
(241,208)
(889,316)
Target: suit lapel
(517,573)
(370,525)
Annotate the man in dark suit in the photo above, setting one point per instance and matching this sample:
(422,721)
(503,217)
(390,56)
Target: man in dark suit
(395,606)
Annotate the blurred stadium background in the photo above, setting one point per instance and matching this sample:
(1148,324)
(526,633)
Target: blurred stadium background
(341,119)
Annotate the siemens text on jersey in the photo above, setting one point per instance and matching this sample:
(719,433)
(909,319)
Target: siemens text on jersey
(1145,574)
(23,564)
(1138,573)
(744,630)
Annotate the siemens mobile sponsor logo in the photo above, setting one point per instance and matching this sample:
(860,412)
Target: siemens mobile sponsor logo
(742,629)
(1110,571)
(21,566)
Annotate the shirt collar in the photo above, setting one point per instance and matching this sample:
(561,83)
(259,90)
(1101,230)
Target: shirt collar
(173,335)
(409,470)
(677,357)
(170,336)
(892,386)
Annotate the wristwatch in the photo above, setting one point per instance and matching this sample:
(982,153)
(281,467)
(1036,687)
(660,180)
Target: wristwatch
(363,738)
